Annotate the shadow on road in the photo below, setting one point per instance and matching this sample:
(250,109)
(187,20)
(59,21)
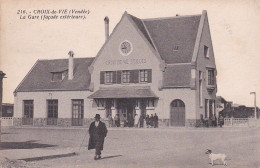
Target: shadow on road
(108,157)
(23,145)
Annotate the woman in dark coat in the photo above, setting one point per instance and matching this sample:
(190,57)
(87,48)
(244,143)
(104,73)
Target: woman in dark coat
(97,134)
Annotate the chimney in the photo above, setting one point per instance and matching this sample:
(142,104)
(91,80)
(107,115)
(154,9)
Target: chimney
(106,19)
(71,65)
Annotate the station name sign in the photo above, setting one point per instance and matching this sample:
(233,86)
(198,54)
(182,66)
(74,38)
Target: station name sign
(125,61)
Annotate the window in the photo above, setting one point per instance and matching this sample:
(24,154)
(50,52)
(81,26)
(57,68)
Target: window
(126,76)
(150,103)
(108,77)
(77,108)
(211,77)
(143,76)
(58,76)
(206,51)
(52,109)
(77,112)
(28,109)
(100,102)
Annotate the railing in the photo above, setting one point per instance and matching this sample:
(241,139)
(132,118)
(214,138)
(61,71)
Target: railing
(236,122)
(7,121)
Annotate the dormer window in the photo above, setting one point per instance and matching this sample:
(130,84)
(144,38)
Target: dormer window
(58,76)
(206,51)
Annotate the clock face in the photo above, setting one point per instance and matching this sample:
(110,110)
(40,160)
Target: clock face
(125,47)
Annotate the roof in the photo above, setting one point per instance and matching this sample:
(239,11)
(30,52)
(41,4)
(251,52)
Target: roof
(166,33)
(139,23)
(40,76)
(177,75)
(123,92)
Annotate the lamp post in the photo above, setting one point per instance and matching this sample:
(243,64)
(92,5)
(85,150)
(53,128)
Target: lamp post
(2,75)
(254,93)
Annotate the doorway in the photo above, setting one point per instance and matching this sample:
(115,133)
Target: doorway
(126,111)
(177,113)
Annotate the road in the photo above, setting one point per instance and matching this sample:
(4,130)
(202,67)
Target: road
(131,147)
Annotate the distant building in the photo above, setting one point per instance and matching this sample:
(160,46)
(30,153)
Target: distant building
(146,66)
(223,105)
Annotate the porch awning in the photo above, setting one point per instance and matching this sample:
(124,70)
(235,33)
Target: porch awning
(123,92)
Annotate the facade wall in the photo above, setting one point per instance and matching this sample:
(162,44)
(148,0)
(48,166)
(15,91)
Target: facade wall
(110,58)
(202,63)
(40,105)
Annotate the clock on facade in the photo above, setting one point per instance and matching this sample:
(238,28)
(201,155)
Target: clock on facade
(126,47)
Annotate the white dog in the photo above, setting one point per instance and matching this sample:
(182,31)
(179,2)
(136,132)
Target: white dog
(213,157)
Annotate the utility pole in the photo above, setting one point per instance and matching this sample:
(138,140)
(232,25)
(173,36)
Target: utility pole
(2,75)
(254,93)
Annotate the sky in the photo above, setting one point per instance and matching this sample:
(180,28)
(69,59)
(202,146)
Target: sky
(234,26)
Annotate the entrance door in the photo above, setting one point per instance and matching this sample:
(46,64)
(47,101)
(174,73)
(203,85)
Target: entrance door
(77,112)
(177,113)
(28,112)
(126,109)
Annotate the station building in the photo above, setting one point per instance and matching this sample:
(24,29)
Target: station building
(146,66)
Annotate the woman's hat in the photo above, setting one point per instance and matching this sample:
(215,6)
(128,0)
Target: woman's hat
(97,116)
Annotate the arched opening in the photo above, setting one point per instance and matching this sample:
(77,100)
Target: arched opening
(177,113)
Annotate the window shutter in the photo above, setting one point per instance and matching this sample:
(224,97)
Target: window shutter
(114,77)
(149,76)
(102,77)
(118,77)
(136,76)
(132,76)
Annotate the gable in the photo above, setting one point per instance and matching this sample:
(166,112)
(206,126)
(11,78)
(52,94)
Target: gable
(205,40)
(143,55)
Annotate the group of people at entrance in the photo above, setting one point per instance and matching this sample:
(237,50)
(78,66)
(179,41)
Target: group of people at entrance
(142,121)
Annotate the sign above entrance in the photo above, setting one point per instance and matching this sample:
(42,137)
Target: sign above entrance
(125,61)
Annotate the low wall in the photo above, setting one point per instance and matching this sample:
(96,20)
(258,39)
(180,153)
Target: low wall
(6,121)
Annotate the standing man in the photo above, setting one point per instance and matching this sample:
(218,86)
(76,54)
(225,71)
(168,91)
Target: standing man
(155,120)
(97,134)
(221,120)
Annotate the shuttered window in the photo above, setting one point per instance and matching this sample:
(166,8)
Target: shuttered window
(125,76)
(146,75)
(108,77)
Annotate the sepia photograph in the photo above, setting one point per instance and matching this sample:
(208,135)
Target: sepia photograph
(129,84)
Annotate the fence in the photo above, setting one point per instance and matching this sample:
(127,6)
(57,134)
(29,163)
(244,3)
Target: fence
(6,121)
(236,122)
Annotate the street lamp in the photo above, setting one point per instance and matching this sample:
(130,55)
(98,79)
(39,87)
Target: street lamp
(254,93)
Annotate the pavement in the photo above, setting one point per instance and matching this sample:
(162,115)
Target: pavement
(130,147)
